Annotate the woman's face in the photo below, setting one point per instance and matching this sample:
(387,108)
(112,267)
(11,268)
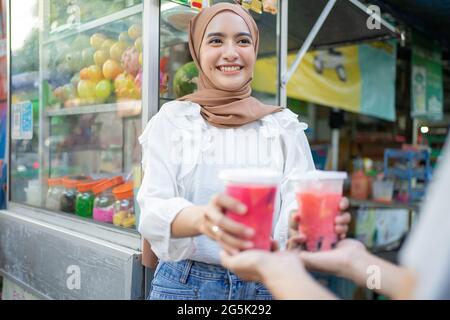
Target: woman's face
(227,53)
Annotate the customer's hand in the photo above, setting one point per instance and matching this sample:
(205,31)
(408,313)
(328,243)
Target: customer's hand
(296,239)
(231,235)
(337,261)
(257,265)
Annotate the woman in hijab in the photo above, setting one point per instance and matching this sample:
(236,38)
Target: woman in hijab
(190,140)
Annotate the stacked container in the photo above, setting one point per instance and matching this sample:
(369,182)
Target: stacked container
(124,206)
(104,200)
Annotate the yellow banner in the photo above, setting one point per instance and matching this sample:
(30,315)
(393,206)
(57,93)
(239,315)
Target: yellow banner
(326,77)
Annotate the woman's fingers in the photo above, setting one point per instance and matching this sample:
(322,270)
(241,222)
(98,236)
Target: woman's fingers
(296,242)
(341,230)
(230,250)
(344,204)
(343,219)
(274,245)
(230,240)
(226,202)
(294,220)
(217,218)
(293,223)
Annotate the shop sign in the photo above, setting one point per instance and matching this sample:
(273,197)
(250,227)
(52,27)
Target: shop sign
(427,92)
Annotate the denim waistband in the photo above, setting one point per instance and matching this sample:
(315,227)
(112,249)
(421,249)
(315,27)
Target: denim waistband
(199,269)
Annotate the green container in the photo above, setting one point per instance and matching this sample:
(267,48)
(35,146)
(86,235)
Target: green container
(84,204)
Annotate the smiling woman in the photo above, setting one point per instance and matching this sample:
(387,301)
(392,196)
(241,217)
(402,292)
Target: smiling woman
(182,208)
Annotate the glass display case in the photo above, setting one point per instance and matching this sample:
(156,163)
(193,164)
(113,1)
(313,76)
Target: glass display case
(76,100)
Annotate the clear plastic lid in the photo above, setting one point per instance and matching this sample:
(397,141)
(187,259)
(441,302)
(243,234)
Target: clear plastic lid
(251,176)
(320,175)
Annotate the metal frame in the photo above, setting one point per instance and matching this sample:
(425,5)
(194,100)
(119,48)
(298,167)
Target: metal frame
(8,98)
(151,60)
(44,122)
(150,97)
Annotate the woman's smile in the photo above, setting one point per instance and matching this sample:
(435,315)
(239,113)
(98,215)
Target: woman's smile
(230,69)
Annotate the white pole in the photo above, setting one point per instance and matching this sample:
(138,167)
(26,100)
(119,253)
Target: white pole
(282,30)
(334,149)
(335,134)
(308,41)
(415,132)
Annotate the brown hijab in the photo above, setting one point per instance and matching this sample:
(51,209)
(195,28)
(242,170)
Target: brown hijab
(222,108)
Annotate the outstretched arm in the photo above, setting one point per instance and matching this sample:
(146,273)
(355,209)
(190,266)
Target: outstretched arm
(351,260)
(281,272)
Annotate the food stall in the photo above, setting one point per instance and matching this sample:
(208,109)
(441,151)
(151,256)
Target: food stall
(76,73)
(84,80)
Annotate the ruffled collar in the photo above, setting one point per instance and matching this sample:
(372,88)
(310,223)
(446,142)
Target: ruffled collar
(186,115)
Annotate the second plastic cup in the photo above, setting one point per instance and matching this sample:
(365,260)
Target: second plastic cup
(257,189)
(318,196)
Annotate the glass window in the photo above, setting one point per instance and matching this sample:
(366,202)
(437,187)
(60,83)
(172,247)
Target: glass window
(76,107)
(178,73)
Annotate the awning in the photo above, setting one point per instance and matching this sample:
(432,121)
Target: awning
(429,17)
(346,24)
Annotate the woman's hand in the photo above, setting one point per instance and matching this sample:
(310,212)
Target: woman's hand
(296,239)
(231,235)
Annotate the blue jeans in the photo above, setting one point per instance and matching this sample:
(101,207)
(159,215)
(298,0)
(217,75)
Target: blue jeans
(191,280)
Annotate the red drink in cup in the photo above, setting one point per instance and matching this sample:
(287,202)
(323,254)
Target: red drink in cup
(318,195)
(257,190)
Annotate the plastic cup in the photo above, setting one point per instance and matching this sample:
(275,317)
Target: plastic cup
(318,195)
(256,189)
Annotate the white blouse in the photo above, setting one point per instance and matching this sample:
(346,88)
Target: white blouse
(182,156)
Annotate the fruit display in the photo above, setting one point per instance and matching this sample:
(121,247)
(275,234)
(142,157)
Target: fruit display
(163,75)
(130,61)
(111,69)
(185,79)
(125,87)
(103,66)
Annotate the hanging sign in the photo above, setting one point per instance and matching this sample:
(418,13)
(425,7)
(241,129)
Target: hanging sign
(358,78)
(22,121)
(427,91)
